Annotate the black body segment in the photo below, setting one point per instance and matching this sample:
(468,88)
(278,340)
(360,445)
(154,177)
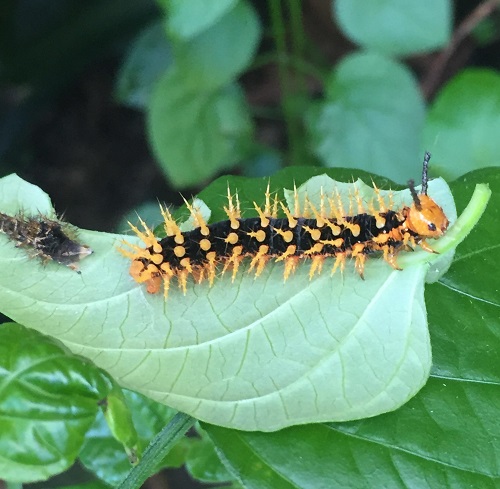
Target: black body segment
(303,236)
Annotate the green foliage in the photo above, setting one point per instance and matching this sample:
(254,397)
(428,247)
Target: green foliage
(365,112)
(149,57)
(464,123)
(448,435)
(373,99)
(210,128)
(307,332)
(188,19)
(48,400)
(198,121)
(132,331)
(395,27)
(102,453)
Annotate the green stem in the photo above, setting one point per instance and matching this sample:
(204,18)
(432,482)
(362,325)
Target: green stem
(298,64)
(279,34)
(298,39)
(157,450)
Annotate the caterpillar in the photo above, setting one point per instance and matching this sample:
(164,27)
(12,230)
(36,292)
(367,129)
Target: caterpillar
(308,233)
(45,238)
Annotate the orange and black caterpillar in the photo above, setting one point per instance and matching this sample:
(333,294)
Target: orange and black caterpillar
(308,233)
(44,238)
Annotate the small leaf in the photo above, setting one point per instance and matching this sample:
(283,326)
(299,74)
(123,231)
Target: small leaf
(119,420)
(252,354)
(394,27)
(48,400)
(372,118)
(220,53)
(463,124)
(196,134)
(188,18)
(103,455)
(148,58)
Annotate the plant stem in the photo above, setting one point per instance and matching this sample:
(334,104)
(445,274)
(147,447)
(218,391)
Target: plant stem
(157,449)
(297,41)
(287,95)
(298,64)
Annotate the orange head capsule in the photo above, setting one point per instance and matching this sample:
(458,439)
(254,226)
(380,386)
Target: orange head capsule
(424,217)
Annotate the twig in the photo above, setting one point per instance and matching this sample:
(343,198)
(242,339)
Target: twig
(435,73)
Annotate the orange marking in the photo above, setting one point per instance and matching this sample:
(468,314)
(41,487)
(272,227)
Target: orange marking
(170,226)
(333,242)
(233,212)
(334,227)
(205,244)
(179,251)
(197,218)
(212,264)
(291,263)
(317,248)
(292,222)
(316,265)
(232,238)
(286,235)
(315,233)
(259,260)
(264,219)
(259,235)
(291,249)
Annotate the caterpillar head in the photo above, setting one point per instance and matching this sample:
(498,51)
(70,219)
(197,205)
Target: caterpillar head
(425,217)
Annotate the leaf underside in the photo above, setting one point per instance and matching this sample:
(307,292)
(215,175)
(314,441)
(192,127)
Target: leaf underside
(255,354)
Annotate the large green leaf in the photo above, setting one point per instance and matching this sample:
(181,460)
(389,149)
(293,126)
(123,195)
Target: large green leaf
(463,124)
(253,354)
(216,56)
(197,133)
(373,113)
(149,56)
(43,416)
(104,456)
(188,18)
(448,436)
(396,27)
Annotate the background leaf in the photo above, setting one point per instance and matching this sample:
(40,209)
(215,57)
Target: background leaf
(372,115)
(187,18)
(105,457)
(216,56)
(204,464)
(395,27)
(196,134)
(148,58)
(48,400)
(463,125)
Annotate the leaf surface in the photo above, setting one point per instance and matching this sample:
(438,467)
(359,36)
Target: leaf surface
(448,435)
(373,113)
(197,133)
(395,27)
(43,417)
(463,125)
(252,354)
